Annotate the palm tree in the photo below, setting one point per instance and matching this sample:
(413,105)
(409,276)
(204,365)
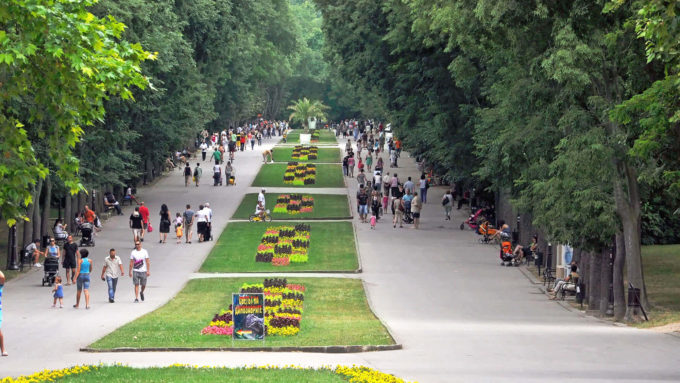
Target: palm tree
(304,109)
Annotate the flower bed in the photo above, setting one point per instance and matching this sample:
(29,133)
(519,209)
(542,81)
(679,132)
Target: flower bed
(299,174)
(315,136)
(305,153)
(294,204)
(283,306)
(284,244)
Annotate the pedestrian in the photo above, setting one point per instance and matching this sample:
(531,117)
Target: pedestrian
(369,162)
(3,352)
(350,166)
(394,185)
(179,232)
(409,186)
(424,185)
(198,172)
(58,292)
(144,212)
(187,174)
(361,178)
(70,256)
(398,211)
(112,270)
(362,203)
(136,224)
(228,173)
(217,155)
(376,203)
(82,278)
(204,150)
(217,174)
(164,226)
(201,223)
(208,215)
(140,267)
(416,206)
(373,221)
(447,202)
(345,169)
(188,219)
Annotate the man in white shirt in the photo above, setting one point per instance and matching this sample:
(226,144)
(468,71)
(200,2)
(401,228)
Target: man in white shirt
(140,267)
(260,198)
(208,215)
(409,186)
(201,222)
(204,149)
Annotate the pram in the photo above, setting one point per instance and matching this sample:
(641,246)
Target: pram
(472,221)
(51,267)
(487,232)
(86,238)
(408,216)
(507,256)
(217,177)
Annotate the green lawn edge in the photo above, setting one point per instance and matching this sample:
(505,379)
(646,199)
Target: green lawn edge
(326,206)
(327,176)
(325,136)
(284,154)
(332,248)
(336,313)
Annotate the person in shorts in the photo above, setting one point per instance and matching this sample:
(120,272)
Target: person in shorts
(136,222)
(139,269)
(70,258)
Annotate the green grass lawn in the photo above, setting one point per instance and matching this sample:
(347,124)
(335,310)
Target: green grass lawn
(325,136)
(661,265)
(331,248)
(284,153)
(125,374)
(335,313)
(327,176)
(329,206)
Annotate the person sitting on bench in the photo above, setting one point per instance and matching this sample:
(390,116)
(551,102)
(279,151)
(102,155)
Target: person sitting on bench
(111,203)
(571,278)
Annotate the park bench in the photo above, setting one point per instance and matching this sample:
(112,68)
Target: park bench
(548,277)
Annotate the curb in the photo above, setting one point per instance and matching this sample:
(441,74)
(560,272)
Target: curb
(370,306)
(313,349)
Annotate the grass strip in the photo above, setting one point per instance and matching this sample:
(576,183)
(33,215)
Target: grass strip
(331,248)
(326,206)
(325,136)
(335,313)
(662,267)
(327,176)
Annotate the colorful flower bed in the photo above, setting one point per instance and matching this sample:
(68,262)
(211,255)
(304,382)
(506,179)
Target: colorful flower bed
(304,153)
(315,136)
(284,244)
(300,174)
(282,305)
(354,374)
(294,204)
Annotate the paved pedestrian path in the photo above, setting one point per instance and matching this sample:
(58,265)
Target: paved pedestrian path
(459,315)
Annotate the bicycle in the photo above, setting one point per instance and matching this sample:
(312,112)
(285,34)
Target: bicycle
(257,218)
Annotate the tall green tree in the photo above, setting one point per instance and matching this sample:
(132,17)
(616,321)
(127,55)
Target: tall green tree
(304,109)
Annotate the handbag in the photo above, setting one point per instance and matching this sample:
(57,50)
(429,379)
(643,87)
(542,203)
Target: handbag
(149,228)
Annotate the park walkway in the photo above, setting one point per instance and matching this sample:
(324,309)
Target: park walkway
(459,315)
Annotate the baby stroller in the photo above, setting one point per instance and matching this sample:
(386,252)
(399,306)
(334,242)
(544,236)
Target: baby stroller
(487,232)
(51,267)
(507,257)
(86,238)
(408,216)
(217,177)
(472,221)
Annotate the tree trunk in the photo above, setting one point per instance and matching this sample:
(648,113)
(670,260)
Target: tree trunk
(619,291)
(605,280)
(68,212)
(28,225)
(577,256)
(594,279)
(36,209)
(585,274)
(628,209)
(47,202)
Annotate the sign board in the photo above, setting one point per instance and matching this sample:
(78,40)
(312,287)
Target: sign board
(305,138)
(248,314)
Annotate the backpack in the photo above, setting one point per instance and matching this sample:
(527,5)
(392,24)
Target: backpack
(196,172)
(445,201)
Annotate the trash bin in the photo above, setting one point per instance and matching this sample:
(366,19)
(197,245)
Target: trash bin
(538,259)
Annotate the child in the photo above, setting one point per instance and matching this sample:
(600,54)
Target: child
(373,220)
(385,200)
(178,227)
(58,291)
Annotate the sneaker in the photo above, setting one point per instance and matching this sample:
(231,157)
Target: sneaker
(141,295)
(110,300)
(136,300)
(37,264)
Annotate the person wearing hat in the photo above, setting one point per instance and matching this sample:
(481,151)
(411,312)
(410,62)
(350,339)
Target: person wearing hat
(136,224)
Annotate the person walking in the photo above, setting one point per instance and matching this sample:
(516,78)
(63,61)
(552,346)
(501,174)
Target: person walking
(140,267)
(201,223)
(361,178)
(136,224)
(362,203)
(144,212)
(3,351)
(424,185)
(350,166)
(164,226)
(416,206)
(409,186)
(82,278)
(369,162)
(447,202)
(398,211)
(187,174)
(204,150)
(69,262)
(198,172)
(228,173)
(188,218)
(112,270)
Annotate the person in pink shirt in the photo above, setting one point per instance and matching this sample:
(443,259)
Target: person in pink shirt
(350,166)
(144,212)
